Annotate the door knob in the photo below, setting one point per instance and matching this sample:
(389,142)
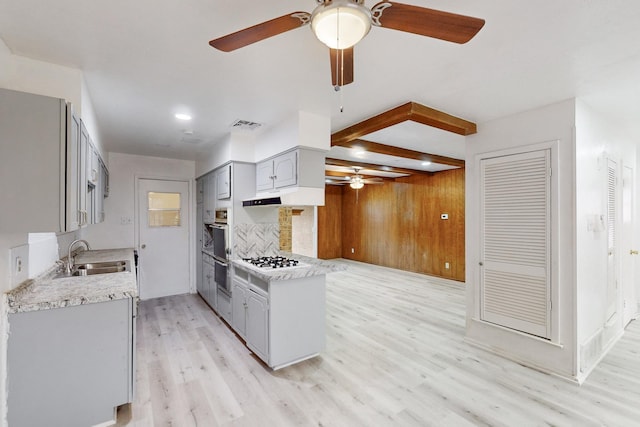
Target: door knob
(632,252)
(143,246)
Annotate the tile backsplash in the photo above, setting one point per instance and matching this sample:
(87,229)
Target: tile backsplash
(252,240)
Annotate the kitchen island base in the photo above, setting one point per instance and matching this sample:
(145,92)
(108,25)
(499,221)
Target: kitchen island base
(281,321)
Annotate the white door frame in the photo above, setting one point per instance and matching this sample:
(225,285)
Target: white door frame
(628,244)
(190,215)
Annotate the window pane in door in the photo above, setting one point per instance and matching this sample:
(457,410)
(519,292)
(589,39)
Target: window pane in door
(164,209)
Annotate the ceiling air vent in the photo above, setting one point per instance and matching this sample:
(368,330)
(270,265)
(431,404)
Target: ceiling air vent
(245,125)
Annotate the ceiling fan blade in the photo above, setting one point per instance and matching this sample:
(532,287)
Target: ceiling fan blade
(261,31)
(331,181)
(341,66)
(426,22)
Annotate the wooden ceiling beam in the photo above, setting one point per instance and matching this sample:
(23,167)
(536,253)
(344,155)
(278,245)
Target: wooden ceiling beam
(409,111)
(372,166)
(338,174)
(374,147)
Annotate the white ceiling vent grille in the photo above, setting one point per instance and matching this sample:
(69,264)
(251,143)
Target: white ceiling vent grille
(245,125)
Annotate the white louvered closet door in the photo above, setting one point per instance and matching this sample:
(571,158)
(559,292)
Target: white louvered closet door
(612,239)
(515,243)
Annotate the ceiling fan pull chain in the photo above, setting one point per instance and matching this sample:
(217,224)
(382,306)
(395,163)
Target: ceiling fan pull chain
(339,75)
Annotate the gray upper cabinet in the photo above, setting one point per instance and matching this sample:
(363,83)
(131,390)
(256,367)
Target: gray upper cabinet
(264,175)
(72,170)
(285,170)
(38,158)
(301,167)
(208,191)
(43,164)
(83,206)
(277,172)
(200,190)
(223,182)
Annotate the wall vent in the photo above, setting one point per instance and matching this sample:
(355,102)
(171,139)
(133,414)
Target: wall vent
(590,351)
(245,125)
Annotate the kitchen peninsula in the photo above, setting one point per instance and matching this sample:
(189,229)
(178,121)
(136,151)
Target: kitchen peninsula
(280,312)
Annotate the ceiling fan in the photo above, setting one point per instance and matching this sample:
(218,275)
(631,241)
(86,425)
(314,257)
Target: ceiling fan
(340,24)
(356,181)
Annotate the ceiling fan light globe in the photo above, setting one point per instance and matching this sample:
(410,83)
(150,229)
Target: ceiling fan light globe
(356,182)
(340,24)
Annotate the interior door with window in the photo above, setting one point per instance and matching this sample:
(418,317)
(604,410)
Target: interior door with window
(163,237)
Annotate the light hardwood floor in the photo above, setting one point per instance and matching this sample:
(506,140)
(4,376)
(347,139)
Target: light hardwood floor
(395,357)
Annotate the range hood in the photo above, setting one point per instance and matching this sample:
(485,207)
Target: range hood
(298,196)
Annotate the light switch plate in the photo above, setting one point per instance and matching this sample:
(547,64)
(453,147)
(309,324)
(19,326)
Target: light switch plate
(19,263)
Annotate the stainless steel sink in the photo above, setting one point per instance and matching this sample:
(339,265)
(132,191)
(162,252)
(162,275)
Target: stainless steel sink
(91,268)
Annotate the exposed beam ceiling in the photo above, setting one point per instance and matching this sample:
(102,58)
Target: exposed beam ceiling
(409,111)
(375,147)
(351,137)
(371,166)
(363,172)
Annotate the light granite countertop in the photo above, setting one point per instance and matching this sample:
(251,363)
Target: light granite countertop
(308,267)
(46,291)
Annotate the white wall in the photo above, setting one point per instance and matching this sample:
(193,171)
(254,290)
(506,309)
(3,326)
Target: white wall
(304,232)
(90,121)
(123,170)
(597,139)
(300,129)
(550,123)
(43,78)
(234,147)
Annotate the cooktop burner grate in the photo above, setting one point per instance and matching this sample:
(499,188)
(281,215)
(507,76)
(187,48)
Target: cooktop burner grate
(272,262)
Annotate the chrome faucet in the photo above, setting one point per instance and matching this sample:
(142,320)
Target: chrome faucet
(69,258)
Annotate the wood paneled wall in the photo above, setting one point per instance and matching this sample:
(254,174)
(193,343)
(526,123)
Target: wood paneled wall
(398,224)
(330,224)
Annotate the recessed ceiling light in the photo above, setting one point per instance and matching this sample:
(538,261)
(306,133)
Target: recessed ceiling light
(426,163)
(182,116)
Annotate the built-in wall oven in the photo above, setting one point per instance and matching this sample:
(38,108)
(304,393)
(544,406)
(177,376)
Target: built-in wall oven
(220,234)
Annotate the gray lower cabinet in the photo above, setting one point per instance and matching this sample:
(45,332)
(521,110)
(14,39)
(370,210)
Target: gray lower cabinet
(70,366)
(208,290)
(258,324)
(224,306)
(239,307)
(250,317)
(282,321)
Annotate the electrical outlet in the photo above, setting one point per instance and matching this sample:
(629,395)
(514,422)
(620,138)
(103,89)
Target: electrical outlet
(126,220)
(446,265)
(353,251)
(19,262)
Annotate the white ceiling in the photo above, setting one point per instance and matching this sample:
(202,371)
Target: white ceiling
(145,60)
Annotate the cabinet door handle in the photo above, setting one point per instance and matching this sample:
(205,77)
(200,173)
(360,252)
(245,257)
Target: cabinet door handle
(633,252)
